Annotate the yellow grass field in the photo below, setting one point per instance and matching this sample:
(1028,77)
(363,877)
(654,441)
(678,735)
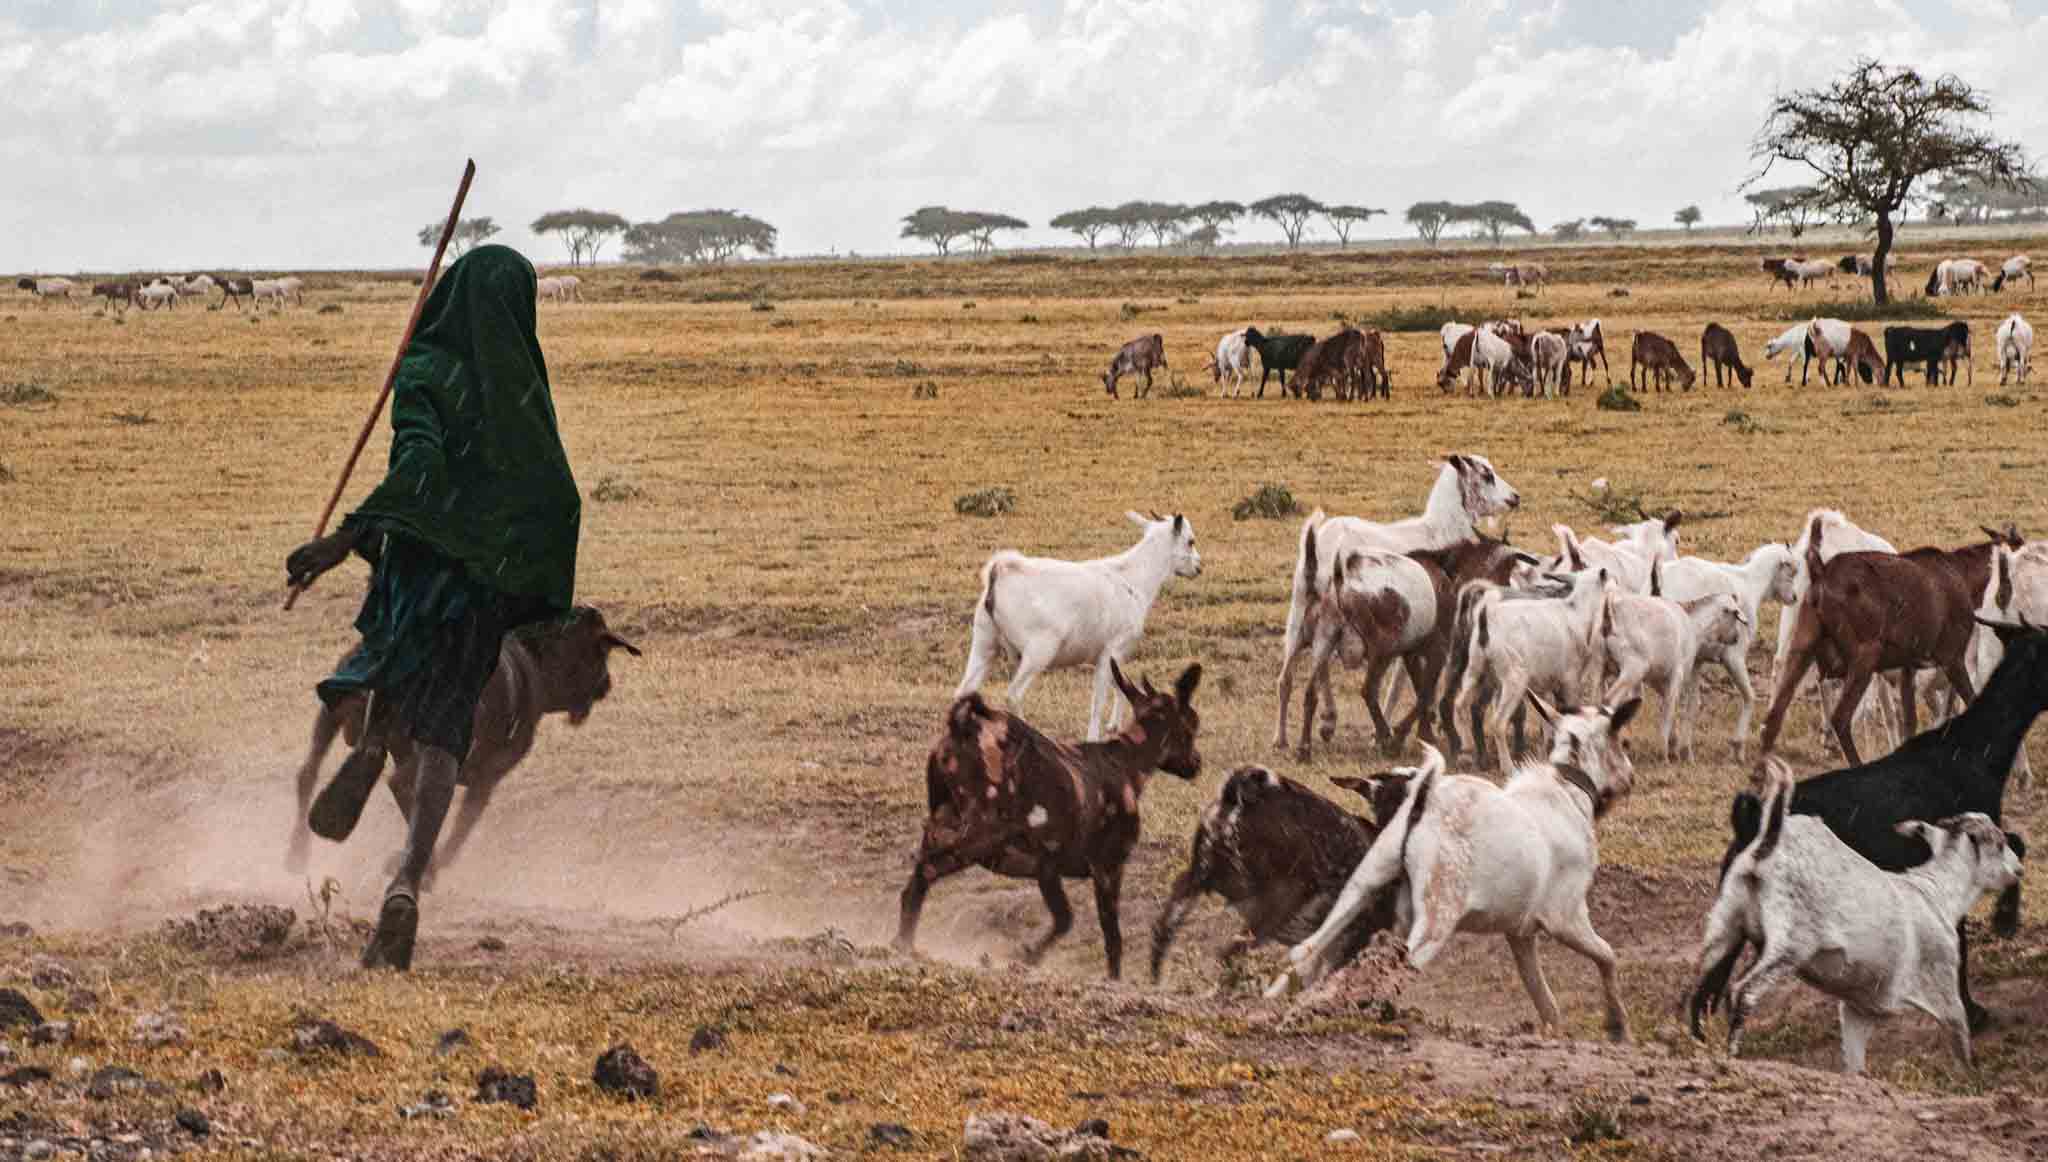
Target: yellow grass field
(769,512)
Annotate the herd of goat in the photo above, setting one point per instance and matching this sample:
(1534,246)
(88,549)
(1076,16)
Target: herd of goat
(163,292)
(1857,880)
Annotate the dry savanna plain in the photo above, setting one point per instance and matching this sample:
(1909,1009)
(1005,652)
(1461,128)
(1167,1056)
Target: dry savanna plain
(770,456)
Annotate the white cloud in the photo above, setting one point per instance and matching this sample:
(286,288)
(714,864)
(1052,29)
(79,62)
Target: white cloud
(318,132)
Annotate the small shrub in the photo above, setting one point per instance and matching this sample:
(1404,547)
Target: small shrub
(26,394)
(1187,300)
(1742,422)
(987,502)
(6,474)
(1270,502)
(1591,1120)
(611,489)
(1524,293)
(968,305)
(1620,292)
(1131,311)
(905,367)
(657,274)
(1618,399)
(762,305)
(783,323)
(2002,401)
(1858,311)
(1410,319)
(329,309)
(134,419)
(925,390)
(1028,319)
(1178,388)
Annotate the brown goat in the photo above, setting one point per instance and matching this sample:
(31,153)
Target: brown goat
(1658,357)
(1372,353)
(1336,360)
(1460,361)
(1869,612)
(548,668)
(1393,614)
(1140,356)
(1718,349)
(1279,854)
(1005,797)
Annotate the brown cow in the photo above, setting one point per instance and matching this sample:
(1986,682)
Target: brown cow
(1005,797)
(1279,854)
(1658,357)
(554,667)
(1140,356)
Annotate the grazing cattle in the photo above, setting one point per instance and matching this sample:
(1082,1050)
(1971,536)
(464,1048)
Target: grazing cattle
(554,667)
(1277,353)
(1878,941)
(1796,273)
(2014,347)
(1140,356)
(1005,797)
(1336,360)
(1929,345)
(1463,855)
(45,289)
(1659,358)
(1278,853)
(1866,612)
(1233,356)
(1962,765)
(1467,491)
(1775,271)
(2012,270)
(1719,350)
(1055,613)
(1850,349)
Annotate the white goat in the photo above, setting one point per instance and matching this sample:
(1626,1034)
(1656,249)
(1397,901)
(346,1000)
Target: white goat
(1234,357)
(2015,347)
(197,284)
(45,289)
(1463,855)
(292,286)
(2018,267)
(1793,340)
(1953,276)
(572,287)
(2017,592)
(1467,491)
(1055,613)
(1651,642)
(1491,357)
(1808,272)
(1551,356)
(547,290)
(1877,941)
(1520,644)
(1629,558)
(157,294)
(1767,574)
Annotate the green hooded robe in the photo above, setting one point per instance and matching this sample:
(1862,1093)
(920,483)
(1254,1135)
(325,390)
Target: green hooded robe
(473,530)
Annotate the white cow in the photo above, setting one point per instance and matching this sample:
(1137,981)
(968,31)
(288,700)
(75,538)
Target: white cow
(1055,613)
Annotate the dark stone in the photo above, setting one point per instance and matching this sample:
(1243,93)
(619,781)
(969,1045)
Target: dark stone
(707,1037)
(891,1134)
(15,930)
(1639,1099)
(450,1041)
(51,1033)
(45,973)
(703,1133)
(1098,1127)
(212,1081)
(490,944)
(114,1080)
(17,1010)
(495,1084)
(622,1071)
(81,1001)
(194,1123)
(26,1075)
(784,1070)
(319,1035)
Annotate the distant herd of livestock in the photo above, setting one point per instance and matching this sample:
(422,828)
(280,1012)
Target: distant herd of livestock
(164,291)
(1856,881)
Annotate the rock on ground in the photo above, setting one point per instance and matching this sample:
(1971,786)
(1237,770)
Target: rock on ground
(772,1147)
(245,931)
(17,1010)
(621,1070)
(498,1085)
(1001,1137)
(312,1035)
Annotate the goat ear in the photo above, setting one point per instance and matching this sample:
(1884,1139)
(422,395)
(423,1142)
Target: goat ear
(1621,716)
(612,641)
(1184,686)
(1914,829)
(1544,710)
(2007,632)
(1357,786)
(1179,522)
(1137,518)
(1672,518)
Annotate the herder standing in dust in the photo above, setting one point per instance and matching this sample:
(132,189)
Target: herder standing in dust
(471,534)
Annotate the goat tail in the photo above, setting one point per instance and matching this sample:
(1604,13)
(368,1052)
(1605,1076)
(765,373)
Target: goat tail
(1304,583)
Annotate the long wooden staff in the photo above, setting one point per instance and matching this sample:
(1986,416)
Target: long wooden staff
(390,377)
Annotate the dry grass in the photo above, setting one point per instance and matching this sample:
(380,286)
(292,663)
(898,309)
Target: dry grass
(786,548)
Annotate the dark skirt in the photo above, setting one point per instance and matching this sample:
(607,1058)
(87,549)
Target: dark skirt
(430,643)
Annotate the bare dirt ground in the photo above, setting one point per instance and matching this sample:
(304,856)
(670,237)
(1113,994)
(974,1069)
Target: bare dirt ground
(778,532)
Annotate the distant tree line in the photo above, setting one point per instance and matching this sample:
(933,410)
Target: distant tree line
(942,227)
(1489,219)
(1204,224)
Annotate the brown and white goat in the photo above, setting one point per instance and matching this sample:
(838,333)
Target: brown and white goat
(1848,346)
(1658,357)
(1005,797)
(1392,603)
(1278,853)
(1140,356)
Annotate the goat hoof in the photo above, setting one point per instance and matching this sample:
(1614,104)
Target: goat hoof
(398,927)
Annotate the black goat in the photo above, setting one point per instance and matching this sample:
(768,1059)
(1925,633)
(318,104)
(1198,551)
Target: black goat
(1929,345)
(1281,353)
(1957,767)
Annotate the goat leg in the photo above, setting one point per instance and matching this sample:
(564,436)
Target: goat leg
(325,726)
(1978,1016)
(1055,896)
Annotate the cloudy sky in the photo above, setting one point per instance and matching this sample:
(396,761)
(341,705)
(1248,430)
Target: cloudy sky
(323,133)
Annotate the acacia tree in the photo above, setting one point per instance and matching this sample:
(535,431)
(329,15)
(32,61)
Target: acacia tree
(1344,219)
(1688,217)
(1216,214)
(1203,237)
(1618,228)
(1163,219)
(1129,222)
(1791,206)
(982,227)
(1430,218)
(936,225)
(1493,218)
(1873,133)
(1569,231)
(1088,223)
(1290,212)
(698,236)
(584,231)
(468,233)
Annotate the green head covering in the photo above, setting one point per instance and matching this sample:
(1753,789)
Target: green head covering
(477,469)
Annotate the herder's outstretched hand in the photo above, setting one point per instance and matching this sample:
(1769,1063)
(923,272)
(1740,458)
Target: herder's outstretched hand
(317,556)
